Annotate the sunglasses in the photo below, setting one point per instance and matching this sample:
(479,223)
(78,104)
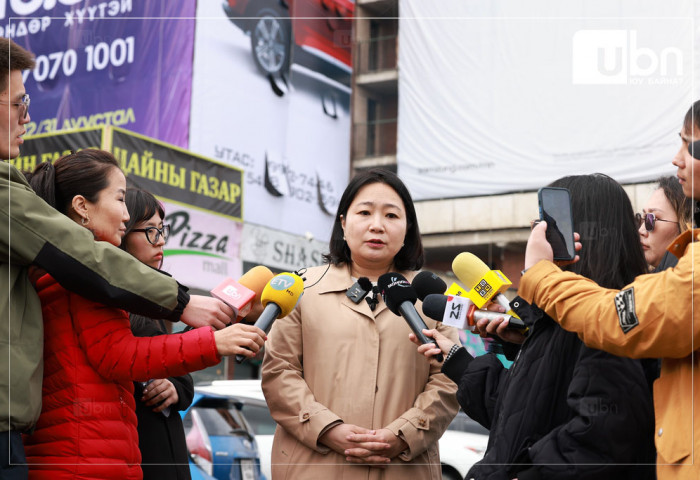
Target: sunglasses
(154,233)
(649,220)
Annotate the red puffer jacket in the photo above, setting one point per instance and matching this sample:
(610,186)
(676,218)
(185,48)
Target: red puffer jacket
(87,427)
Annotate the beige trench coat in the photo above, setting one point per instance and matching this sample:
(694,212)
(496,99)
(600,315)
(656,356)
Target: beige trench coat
(330,360)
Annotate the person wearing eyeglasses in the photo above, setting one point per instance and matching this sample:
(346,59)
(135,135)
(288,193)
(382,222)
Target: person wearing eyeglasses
(33,234)
(654,316)
(666,215)
(159,401)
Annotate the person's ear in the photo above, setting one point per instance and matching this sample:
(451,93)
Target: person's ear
(342,223)
(79,206)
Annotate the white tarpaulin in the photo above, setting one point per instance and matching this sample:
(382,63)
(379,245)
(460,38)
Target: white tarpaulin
(498,96)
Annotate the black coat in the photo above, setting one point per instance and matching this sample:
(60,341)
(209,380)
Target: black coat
(162,439)
(562,410)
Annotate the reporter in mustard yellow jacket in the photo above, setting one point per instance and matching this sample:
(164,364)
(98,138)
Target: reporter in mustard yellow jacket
(651,317)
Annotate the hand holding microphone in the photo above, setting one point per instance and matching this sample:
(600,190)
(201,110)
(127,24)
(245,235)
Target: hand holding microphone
(279,297)
(400,297)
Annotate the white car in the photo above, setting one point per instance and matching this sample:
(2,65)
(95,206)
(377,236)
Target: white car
(462,445)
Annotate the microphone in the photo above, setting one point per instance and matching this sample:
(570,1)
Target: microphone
(426,283)
(460,312)
(359,289)
(400,298)
(694,150)
(279,297)
(242,295)
(483,284)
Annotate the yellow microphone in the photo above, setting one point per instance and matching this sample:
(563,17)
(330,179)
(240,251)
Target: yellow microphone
(279,297)
(483,285)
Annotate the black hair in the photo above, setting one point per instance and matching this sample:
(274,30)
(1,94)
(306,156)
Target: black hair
(142,205)
(411,255)
(84,172)
(612,254)
(13,57)
(691,121)
(681,205)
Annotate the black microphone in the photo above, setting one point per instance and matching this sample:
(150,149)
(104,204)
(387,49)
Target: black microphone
(427,283)
(400,298)
(373,300)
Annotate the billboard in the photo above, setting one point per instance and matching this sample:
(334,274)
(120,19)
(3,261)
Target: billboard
(270,95)
(125,63)
(202,198)
(500,96)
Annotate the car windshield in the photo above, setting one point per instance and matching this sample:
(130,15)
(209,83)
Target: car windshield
(259,418)
(220,417)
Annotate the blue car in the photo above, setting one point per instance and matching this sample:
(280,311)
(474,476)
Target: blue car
(219,439)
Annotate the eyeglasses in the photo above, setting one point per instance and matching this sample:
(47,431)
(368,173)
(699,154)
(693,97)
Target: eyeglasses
(649,220)
(153,233)
(23,105)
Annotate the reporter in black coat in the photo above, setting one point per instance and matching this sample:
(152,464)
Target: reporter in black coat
(161,438)
(563,410)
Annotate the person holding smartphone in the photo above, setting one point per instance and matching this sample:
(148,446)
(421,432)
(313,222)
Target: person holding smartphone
(563,410)
(652,316)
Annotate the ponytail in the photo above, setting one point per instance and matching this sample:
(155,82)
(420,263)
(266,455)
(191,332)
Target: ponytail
(43,182)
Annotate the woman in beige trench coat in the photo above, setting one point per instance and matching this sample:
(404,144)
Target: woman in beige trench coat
(351,396)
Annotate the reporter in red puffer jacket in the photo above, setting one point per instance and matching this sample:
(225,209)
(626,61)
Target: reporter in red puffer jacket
(87,427)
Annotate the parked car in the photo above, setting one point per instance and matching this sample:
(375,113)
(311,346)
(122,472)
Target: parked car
(220,441)
(462,445)
(314,33)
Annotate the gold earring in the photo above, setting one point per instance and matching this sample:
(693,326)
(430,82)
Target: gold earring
(85,220)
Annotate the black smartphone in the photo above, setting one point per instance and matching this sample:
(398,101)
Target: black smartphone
(555,209)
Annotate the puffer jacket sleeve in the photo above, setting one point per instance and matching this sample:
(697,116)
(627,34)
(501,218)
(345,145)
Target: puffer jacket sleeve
(146,327)
(479,383)
(32,232)
(611,405)
(105,335)
(651,317)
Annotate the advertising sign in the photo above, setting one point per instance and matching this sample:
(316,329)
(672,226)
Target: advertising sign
(270,96)
(177,174)
(279,251)
(116,62)
(203,248)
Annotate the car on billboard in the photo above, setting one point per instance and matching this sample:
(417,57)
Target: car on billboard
(462,445)
(316,34)
(219,439)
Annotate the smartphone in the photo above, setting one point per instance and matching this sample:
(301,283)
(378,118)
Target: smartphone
(555,209)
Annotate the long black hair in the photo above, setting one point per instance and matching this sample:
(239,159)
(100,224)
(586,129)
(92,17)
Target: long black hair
(612,254)
(85,172)
(411,256)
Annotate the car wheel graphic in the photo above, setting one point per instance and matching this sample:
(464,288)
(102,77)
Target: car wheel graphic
(270,40)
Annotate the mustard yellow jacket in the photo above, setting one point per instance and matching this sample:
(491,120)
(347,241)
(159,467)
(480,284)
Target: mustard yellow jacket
(331,360)
(654,316)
